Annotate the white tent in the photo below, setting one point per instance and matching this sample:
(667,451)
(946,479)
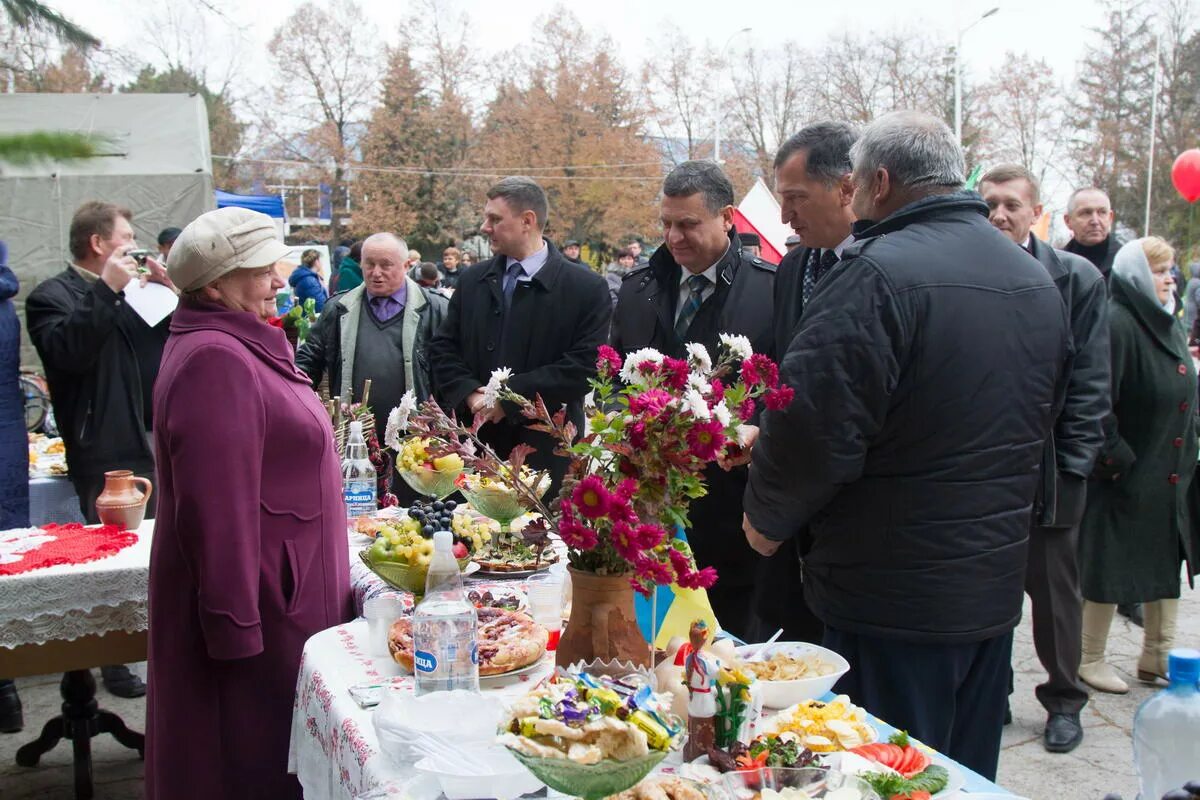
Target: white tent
(156,162)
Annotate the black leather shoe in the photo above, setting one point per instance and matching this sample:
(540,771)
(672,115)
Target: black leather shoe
(121,682)
(11,718)
(1063,733)
(1132,612)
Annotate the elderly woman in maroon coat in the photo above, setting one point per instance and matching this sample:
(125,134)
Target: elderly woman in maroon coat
(249,555)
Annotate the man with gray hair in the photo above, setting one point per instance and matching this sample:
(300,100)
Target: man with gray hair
(528,309)
(927,370)
(377,331)
(699,285)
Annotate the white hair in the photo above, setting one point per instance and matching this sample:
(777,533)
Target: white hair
(917,150)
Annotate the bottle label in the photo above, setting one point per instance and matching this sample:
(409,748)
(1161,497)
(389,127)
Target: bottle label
(359,497)
(474,653)
(425,662)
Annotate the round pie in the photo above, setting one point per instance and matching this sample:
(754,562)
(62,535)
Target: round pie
(505,640)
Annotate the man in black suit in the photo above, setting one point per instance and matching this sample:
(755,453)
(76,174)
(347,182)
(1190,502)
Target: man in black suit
(699,285)
(1052,574)
(812,179)
(528,309)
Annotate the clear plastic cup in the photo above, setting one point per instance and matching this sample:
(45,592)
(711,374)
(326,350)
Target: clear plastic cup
(380,613)
(545,593)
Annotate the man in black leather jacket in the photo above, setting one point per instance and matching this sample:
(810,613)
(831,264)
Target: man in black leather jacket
(926,368)
(1052,576)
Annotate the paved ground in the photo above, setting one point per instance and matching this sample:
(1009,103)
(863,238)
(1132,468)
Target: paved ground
(1102,764)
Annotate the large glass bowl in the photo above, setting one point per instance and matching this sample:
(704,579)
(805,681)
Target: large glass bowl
(816,782)
(590,781)
(398,575)
(501,503)
(432,483)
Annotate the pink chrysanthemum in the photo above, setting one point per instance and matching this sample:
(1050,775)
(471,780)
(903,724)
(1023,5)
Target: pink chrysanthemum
(779,399)
(624,541)
(676,372)
(576,535)
(759,370)
(591,497)
(718,390)
(706,440)
(608,361)
(648,537)
(649,402)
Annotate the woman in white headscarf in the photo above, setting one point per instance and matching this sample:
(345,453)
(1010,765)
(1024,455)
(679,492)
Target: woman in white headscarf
(1135,530)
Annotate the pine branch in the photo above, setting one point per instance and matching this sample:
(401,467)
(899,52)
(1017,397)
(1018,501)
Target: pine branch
(26,148)
(29,14)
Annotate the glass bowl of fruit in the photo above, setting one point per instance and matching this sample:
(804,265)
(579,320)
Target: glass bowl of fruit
(403,548)
(431,476)
(496,499)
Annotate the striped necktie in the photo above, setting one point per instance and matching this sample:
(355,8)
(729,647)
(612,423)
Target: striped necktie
(696,286)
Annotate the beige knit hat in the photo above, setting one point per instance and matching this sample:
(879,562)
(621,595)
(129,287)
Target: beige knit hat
(221,241)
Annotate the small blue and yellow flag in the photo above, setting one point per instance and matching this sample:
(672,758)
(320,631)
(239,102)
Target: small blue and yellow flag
(671,611)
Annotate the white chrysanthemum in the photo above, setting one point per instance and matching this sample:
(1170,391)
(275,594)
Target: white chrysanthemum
(699,384)
(397,421)
(738,345)
(630,373)
(698,357)
(721,414)
(491,392)
(694,402)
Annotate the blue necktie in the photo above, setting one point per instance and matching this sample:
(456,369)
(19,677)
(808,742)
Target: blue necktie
(510,283)
(696,286)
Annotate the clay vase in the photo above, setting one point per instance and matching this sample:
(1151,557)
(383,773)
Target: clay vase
(603,623)
(121,503)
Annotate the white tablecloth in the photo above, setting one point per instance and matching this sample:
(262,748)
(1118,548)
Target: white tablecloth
(334,750)
(73,600)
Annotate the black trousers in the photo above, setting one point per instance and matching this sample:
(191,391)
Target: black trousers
(950,696)
(89,487)
(1052,583)
(779,598)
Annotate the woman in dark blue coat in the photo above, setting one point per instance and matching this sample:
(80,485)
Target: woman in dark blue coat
(306,280)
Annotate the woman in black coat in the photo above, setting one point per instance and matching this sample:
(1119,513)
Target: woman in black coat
(1135,531)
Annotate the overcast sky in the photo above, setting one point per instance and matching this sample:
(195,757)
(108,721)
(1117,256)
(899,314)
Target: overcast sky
(1052,29)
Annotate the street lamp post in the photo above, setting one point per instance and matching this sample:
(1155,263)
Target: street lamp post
(958,72)
(720,104)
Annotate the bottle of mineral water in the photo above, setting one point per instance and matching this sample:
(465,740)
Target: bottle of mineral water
(1166,729)
(445,655)
(358,475)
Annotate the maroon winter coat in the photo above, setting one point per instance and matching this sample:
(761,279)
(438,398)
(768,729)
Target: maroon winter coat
(249,556)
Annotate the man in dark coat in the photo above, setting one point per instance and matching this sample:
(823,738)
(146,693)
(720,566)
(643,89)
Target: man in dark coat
(101,361)
(812,179)
(912,458)
(1052,576)
(1090,219)
(528,309)
(654,310)
(379,330)
(14,453)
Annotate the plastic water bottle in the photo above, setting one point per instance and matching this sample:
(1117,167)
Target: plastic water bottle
(445,655)
(1166,729)
(358,475)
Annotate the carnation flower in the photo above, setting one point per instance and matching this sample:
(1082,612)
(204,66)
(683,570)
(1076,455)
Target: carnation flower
(758,370)
(677,372)
(738,346)
(706,440)
(591,497)
(780,398)
(698,357)
(651,401)
(696,405)
(608,361)
(397,421)
(636,370)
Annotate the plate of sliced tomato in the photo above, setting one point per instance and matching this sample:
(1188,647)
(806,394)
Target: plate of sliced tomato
(905,770)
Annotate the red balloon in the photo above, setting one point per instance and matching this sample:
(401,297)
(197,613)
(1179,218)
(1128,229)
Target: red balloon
(1185,174)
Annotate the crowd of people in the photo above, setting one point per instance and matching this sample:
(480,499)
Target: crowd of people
(977,416)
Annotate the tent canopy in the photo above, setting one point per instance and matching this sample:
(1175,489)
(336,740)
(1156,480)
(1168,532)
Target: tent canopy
(155,162)
(269,204)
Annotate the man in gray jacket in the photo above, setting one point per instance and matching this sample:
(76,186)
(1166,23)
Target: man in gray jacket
(1052,575)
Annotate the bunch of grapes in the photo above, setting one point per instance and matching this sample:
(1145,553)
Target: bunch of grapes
(435,516)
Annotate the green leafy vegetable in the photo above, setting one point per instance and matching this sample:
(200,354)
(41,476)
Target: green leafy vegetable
(900,739)
(933,779)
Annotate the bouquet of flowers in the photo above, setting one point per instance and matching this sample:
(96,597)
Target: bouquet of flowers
(297,322)
(659,423)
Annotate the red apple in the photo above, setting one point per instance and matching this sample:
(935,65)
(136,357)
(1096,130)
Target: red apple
(459,550)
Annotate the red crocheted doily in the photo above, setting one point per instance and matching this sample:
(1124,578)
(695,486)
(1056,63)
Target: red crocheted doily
(74,544)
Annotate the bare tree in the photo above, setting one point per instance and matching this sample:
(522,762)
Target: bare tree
(326,78)
(771,102)
(680,79)
(1022,118)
